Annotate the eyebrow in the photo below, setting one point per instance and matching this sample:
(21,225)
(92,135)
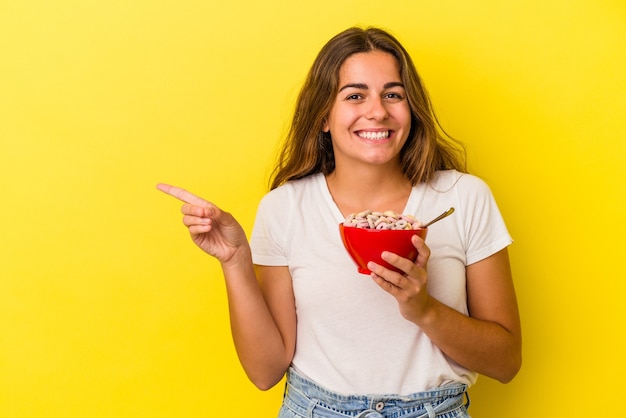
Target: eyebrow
(363,86)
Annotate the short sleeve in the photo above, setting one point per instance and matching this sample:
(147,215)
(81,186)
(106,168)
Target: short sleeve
(485,229)
(266,242)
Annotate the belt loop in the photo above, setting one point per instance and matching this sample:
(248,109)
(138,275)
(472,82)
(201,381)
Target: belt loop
(431,411)
(309,410)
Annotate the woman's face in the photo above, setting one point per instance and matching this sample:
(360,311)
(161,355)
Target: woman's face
(370,119)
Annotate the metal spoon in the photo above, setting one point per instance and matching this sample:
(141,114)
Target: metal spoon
(438,218)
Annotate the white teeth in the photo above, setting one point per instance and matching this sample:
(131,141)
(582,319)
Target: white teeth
(374,135)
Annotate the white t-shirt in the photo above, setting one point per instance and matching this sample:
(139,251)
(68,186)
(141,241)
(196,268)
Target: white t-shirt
(351,337)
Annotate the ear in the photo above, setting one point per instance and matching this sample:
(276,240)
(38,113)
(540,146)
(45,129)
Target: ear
(325,127)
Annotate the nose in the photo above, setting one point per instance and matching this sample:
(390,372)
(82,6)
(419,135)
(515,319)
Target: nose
(376,109)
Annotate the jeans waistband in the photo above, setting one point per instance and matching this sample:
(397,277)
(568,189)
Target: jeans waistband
(305,396)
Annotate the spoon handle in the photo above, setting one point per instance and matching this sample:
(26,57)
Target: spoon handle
(438,218)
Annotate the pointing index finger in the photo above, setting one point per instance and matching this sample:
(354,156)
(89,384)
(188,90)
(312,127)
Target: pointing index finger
(182,194)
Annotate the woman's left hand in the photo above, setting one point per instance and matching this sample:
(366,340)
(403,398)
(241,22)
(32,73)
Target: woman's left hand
(411,288)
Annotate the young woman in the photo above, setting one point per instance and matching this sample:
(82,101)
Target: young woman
(364,136)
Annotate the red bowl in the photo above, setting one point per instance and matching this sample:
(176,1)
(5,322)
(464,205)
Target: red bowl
(365,245)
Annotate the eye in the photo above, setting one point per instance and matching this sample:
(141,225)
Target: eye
(393,96)
(354,96)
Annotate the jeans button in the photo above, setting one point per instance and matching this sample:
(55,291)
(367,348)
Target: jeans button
(380,406)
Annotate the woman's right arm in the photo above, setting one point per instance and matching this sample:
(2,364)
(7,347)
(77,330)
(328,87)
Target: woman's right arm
(263,320)
(261,302)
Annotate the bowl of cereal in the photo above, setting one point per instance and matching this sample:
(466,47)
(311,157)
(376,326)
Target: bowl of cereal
(367,234)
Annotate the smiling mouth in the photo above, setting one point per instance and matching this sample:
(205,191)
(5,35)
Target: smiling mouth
(374,136)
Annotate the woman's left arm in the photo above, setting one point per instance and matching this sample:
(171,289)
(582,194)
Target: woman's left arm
(491,300)
(489,340)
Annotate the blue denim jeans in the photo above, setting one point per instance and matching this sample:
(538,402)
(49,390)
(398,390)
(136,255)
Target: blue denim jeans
(305,399)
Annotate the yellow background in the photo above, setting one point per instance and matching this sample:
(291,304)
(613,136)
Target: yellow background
(108,310)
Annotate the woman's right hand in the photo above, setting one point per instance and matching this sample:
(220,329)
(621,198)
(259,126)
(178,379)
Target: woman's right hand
(216,232)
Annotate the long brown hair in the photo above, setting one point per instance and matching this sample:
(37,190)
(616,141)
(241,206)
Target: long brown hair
(308,150)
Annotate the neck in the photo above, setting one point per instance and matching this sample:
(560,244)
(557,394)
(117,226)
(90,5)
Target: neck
(377,189)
